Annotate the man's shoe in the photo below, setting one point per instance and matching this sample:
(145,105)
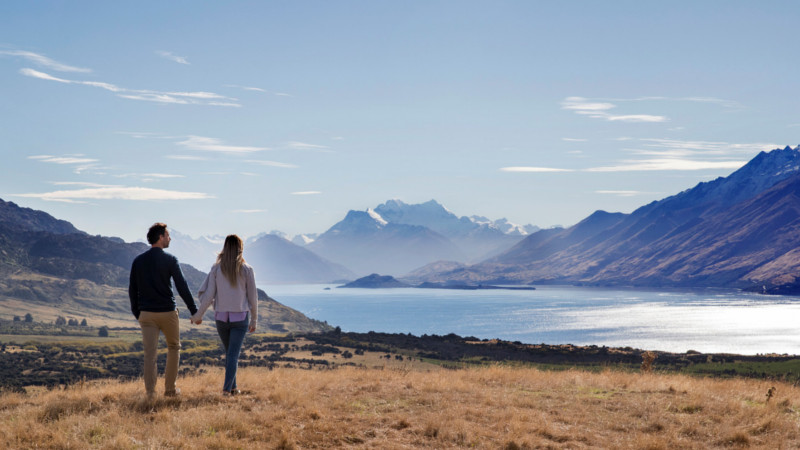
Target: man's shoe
(175,393)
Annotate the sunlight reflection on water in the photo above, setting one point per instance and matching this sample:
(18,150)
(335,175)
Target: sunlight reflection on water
(706,321)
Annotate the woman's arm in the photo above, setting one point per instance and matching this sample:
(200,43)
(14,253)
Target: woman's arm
(252,298)
(206,295)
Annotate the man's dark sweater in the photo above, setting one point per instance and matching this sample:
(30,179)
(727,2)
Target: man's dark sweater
(150,288)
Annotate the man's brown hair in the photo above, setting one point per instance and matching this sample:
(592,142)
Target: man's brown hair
(155,232)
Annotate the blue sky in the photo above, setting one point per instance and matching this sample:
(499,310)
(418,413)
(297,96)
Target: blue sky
(244,117)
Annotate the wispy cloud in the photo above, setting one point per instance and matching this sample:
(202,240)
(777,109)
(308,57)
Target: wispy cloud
(78,183)
(667,164)
(295,145)
(147,177)
(171,57)
(69,159)
(248,211)
(258,89)
(145,135)
(307,193)
(187,158)
(272,164)
(635,118)
(175,97)
(729,104)
(621,193)
(678,147)
(600,110)
(209,144)
(533,169)
(79,163)
(116,193)
(656,154)
(573,140)
(247,88)
(44,61)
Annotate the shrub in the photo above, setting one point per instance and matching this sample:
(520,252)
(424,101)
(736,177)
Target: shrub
(647,361)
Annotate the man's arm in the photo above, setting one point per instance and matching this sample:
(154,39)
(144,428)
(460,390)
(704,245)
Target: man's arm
(183,287)
(133,292)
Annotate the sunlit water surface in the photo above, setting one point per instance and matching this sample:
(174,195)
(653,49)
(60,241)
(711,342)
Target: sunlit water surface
(706,320)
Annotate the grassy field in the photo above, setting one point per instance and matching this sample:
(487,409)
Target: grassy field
(398,391)
(397,407)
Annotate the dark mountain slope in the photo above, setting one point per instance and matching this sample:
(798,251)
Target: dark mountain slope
(719,233)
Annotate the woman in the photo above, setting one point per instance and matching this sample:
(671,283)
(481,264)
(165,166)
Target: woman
(231,286)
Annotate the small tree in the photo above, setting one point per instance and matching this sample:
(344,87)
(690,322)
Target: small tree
(17,319)
(73,322)
(60,320)
(28,317)
(84,324)
(103,331)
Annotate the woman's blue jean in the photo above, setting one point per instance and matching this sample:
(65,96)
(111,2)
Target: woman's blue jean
(232,336)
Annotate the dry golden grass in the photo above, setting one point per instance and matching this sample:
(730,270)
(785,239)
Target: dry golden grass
(496,407)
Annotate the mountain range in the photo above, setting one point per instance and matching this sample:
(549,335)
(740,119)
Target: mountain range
(49,268)
(274,259)
(737,231)
(394,237)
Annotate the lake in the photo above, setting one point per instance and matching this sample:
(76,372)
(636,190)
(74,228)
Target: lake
(708,321)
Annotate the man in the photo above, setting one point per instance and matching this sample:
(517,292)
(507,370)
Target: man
(153,304)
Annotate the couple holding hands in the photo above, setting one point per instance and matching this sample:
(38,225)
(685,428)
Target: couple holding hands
(230,286)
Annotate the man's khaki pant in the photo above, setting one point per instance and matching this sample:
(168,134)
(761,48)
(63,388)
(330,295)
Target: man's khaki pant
(152,323)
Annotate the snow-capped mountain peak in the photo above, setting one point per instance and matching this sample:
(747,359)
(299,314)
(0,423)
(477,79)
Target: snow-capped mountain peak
(377,217)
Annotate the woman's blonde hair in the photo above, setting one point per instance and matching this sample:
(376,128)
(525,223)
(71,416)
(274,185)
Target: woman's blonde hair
(230,259)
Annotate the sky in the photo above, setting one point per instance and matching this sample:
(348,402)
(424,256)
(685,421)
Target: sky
(251,116)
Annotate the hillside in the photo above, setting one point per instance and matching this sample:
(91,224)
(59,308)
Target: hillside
(50,269)
(730,232)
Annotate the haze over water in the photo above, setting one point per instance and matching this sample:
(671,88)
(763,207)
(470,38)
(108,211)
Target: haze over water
(709,321)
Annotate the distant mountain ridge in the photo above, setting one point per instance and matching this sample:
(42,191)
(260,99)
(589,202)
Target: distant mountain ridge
(277,260)
(366,243)
(476,237)
(33,220)
(395,237)
(727,232)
